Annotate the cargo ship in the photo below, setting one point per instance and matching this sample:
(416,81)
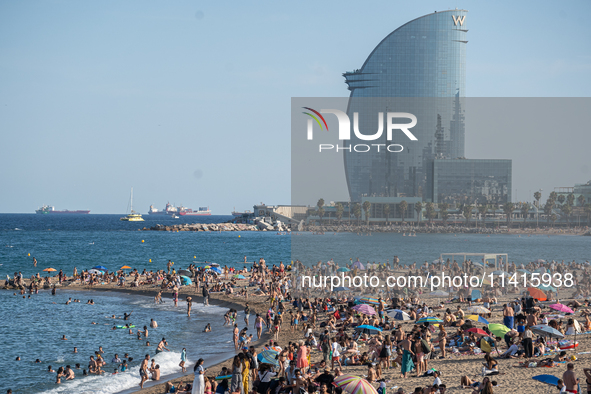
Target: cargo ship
(45,209)
(202,211)
(168,210)
(237,214)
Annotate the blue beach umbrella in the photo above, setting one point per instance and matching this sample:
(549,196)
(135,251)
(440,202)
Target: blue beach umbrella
(186,280)
(239,277)
(268,357)
(476,294)
(100,267)
(368,329)
(217,270)
(546,288)
(343,269)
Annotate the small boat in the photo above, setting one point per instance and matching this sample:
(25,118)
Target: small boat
(175,216)
(133,216)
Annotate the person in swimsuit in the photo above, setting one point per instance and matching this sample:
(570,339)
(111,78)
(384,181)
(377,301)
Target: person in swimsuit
(161,346)
(144,370)
(258,323)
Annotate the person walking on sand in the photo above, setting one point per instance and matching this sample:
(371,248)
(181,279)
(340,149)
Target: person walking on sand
(199,382)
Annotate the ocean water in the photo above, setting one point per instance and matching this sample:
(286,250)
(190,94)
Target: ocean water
(32,328)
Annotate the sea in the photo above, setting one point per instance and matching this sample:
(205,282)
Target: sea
(32,328)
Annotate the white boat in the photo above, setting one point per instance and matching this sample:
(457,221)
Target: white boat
(133,216)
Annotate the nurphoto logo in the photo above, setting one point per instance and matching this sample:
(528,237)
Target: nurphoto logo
(344,132)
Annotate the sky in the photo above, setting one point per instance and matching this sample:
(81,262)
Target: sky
(189,102)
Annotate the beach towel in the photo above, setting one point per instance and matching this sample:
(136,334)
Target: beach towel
(407,364)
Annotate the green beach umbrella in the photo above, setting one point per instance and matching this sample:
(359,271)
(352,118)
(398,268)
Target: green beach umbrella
(498,329)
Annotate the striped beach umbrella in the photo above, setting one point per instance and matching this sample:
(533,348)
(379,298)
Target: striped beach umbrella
(429,319)
(478,319)
(268,357)
(352,384)
(546,331)
(398,314)
(370,300)
(365,309)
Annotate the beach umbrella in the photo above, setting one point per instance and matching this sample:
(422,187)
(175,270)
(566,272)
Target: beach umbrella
(476,294)
(341,289)
(536,293)
(93,271)
(214,264)
(239,277)
(185,272)
(540,261)
(368,329)
(352,384)
(207,267)
(548,379)
(343,269)
(186,280)
(125,267)
(100,267)
(398,314)
(217,270)
(49,269)
(561,308)
(429,319)
(370,300)
(358,265)
(546,288)
(365,309)
(477,331)
(478,319)
(546,331)
(268,357)
(477,309)
(476,263)
(273,348)
(498,329)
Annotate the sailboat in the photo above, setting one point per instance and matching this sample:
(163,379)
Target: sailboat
(133,216)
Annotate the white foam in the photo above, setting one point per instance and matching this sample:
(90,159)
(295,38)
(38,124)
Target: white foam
(108,383)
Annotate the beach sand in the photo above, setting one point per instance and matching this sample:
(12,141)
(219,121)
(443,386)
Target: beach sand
(512,379)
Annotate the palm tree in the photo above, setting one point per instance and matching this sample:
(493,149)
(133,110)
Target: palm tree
(561,199)
(467,212)
(482,209)
(508,209)
(570,199)
(524,210)
(357,211)
(402,207)
(320,210)
(553,217)
(567,209)
(430,211)
(443,207)
(366,206)
(418,209)
(548,208)
(387,212)
(553,196)
(537,196)
(582,200)
(339,211)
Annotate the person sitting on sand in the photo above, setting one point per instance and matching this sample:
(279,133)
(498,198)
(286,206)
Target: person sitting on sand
(490,367)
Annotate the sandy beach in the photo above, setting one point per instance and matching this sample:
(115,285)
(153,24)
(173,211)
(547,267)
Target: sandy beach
(512,377)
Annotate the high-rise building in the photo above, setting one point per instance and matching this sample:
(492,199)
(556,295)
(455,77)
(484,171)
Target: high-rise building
(418,68)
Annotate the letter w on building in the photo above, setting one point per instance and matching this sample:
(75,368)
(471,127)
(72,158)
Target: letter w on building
(459,19)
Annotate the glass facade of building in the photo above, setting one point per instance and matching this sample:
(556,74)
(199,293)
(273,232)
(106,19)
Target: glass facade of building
(421,67)
(470,181)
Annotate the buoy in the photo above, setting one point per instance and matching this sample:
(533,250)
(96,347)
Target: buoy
(150,260)
(142,241)
(239,236)
(194,257)
(29,254)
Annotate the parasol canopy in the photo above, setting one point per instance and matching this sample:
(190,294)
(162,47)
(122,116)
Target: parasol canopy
(477,331)
(546,331)
(370,300)
(352,384)
(561,308)
(343,269)
(268,357)
(366,329)
(536,293)
(429,319)
(125,267)
(49,269)
(186,280)
(398,314)
(100,267)
(478,319)
(365,309)
(498,329)
(477,309)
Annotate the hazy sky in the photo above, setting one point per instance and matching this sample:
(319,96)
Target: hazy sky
(189,102)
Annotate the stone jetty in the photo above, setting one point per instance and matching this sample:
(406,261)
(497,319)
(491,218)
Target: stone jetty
(205,227)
